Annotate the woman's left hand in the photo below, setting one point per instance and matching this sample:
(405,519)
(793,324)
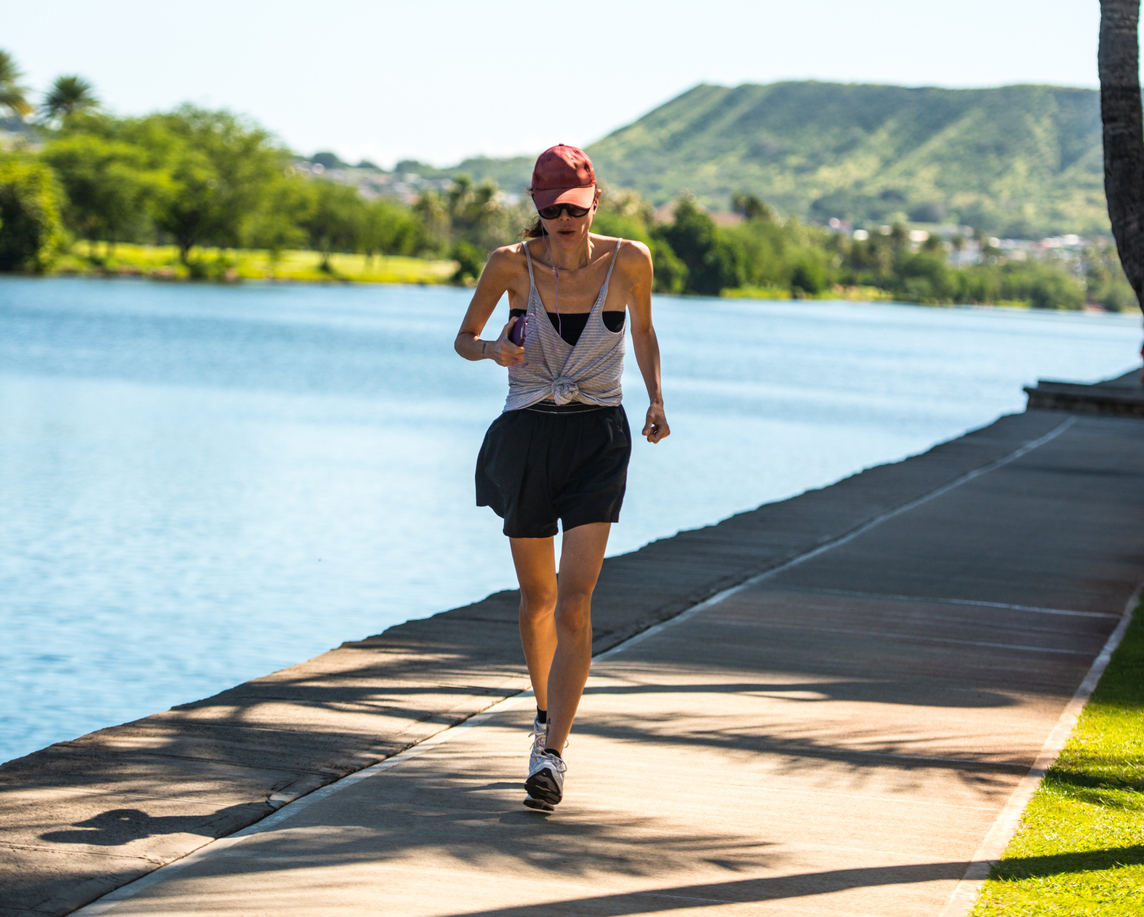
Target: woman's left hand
(656,428)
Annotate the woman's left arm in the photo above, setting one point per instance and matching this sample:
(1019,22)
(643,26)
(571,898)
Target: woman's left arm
(644,342)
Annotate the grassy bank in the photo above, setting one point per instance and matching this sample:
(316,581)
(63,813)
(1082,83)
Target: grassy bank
(838,291)
(1080,848)
(161,262)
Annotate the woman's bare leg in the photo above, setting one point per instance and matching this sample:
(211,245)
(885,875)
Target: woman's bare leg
(580,561)
(536,572)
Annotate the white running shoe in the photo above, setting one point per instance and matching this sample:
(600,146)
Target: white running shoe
(545,783)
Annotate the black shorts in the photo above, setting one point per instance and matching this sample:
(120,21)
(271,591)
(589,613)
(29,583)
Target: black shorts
(549,462)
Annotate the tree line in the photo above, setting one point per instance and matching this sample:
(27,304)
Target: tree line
(767,255)
(198,178)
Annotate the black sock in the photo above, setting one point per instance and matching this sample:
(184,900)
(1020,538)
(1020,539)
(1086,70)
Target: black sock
(542,716)
(553,751)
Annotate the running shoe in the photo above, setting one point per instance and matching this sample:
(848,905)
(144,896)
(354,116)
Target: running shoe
(545,783)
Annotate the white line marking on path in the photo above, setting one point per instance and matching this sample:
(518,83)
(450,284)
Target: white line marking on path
(965,894)
(922,638)
(842,539)
(934,600)
(108,901)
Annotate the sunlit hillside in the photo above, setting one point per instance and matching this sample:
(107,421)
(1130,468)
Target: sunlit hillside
(1017,160)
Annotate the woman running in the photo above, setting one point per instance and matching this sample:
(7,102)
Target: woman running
(560,449)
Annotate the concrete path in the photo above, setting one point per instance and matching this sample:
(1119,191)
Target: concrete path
(837,736)
(84,817)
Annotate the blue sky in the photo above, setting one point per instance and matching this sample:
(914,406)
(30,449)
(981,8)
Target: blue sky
(439,81)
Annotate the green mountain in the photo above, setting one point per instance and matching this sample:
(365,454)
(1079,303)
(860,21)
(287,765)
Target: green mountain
(1016,161)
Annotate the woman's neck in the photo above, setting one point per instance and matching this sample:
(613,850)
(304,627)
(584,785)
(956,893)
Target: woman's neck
(569,258)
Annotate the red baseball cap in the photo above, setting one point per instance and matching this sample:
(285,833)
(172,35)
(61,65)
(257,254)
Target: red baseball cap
(563,175)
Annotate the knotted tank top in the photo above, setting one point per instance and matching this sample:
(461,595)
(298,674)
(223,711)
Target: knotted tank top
(587,372)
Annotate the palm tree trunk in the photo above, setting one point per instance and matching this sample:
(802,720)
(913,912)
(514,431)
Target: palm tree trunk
(1119,63)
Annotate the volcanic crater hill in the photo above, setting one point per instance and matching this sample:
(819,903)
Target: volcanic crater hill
(1015,160)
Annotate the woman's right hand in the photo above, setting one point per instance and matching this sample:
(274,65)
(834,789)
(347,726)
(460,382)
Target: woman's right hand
(504,351)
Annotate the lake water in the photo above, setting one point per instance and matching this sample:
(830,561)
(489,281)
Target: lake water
(200,484)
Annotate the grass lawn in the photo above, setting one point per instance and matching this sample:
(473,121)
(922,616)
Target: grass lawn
(161,262)
(1080,848)
(863,294)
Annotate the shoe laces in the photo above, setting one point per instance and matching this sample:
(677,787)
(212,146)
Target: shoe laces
(538,736)
(554,761)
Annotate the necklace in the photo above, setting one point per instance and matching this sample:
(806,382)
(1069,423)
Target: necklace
(556,276)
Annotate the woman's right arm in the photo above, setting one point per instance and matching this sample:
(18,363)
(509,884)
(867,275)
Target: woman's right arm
(494,282)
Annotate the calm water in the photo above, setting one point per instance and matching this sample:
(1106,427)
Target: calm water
(199,485)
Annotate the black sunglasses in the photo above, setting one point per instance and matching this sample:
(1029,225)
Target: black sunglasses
(553,212)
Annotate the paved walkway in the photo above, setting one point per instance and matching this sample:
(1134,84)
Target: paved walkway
(837,736)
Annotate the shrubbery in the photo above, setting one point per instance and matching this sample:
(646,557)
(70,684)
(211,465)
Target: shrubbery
(30,227)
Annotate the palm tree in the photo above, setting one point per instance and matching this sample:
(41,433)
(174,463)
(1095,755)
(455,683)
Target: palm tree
(68,95)
(1119,63)
(13,96)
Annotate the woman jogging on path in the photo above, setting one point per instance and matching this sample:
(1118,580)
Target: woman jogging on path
(560,449)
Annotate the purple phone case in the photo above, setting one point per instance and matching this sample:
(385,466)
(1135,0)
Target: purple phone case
(518,331)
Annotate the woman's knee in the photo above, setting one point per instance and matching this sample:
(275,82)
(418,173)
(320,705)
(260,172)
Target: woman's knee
(537,604)
(574,612)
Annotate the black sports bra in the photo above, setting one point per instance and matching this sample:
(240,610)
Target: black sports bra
(572,324)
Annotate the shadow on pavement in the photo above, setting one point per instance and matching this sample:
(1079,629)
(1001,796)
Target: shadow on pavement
(751,890)
(121,826)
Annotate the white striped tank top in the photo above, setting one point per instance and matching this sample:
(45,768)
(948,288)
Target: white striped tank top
(587,372)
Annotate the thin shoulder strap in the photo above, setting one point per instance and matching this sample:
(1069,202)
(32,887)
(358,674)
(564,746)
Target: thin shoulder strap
(528,257)
(598,305)
(615,255)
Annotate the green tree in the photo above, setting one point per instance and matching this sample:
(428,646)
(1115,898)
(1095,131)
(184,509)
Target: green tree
(978,283)
(470,261)
(670,271)
(30,228)
(111,194)
(13,96)
(925,277)
(393,229)
(611,223)
(277,223)
(694,237)
(432,209)
(337,222)
(478,214)
(223,170)
(765,247)
(471,212)
(1104,278)
(68,95)
(808,275)
(1042,286)
(751,206)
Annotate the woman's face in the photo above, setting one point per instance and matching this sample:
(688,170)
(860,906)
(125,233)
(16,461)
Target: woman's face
(568,231)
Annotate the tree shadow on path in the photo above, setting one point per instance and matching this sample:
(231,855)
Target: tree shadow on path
(756,890)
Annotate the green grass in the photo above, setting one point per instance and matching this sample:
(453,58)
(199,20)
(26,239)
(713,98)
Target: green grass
(1080,848)
(856,294)
(161,262)
(757,293)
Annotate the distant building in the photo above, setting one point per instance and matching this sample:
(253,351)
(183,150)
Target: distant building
(372,182)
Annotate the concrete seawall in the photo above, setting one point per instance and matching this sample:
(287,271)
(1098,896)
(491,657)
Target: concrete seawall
(82,818)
